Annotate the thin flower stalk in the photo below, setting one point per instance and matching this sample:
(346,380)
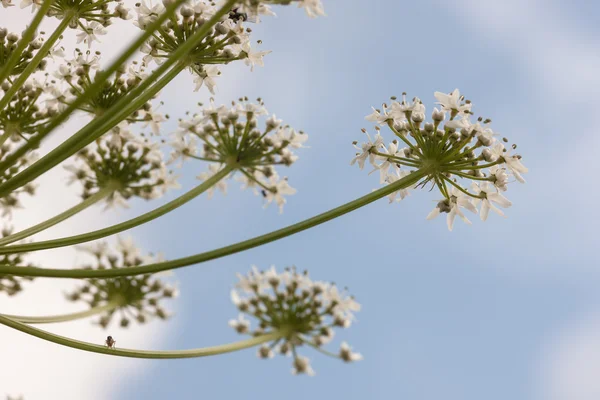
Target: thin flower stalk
(118,352)
(404,182)
(52,319)
(123,226)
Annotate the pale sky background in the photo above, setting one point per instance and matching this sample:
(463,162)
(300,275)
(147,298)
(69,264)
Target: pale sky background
(506,309)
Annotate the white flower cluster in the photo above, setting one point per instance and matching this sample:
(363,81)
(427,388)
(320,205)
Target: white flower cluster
(228,41)
(230,136)
(127,164)
(305,311)
(135,297)
(449,152)
(91,16)
(78,75)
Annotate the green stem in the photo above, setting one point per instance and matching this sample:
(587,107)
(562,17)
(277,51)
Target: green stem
(62,318)
(26,38)
(35,61)
(403,183)
(117,112)
(99,81)
(4,137)
(123,226)
(90,201)
(94,348)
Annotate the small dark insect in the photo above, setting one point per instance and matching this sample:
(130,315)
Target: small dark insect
(110,342)
(235,15)
(264,193)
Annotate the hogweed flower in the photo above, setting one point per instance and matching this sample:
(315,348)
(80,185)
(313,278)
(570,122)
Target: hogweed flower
(78,12)
(11,284)
(230,136)
(227,41)
(450,152)
(27,112)
(8,44)
(124,164)
(79,74)
(135,298)
(306,311)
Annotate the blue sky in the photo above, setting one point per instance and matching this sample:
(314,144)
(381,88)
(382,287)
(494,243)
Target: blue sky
(461,315)
(506,309)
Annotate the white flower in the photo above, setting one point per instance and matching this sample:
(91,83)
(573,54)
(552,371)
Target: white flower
(485,189)
(392,151)
(154,119)
(347,355)
(89,33)
(7,3)
(452,206)
(279,189)
(461,123)
(147,14)
(207,78)
(254,57)
(241,325)
(451,102)
(302,366)
(512,162)
(265,351)
(501,177)
(379,117)
(221,185)
(366,149)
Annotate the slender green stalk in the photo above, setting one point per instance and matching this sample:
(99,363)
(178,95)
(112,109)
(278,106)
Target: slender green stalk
(51,319)
(26,38)
(116,113)
(94,348)
(123,226)
(92,90)
(90,201)
(35,61)
(403,183)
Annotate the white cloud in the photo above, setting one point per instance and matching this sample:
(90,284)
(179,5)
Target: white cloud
(559,55)
(41,370)
(568,368)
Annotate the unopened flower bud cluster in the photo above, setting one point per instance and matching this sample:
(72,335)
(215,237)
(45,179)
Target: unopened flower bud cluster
(11,201)
(464,160)
(136,298)
(132,167)
(306,312)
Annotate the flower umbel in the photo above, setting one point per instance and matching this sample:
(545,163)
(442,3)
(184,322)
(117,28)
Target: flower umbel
(231,136)
(11,284)
(305,311)
(134,297)
(449,152)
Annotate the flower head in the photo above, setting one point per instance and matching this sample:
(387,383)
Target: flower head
(442,154)
(124,164)
(305,312)
(227,41)
(231,136)
(132,297)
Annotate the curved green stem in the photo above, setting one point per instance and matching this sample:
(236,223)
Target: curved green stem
(94,348)
(90,201)
(50,319)
(26,38)
(403,183)
(93,89)
(35,61)
(123,226)
(119,111)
